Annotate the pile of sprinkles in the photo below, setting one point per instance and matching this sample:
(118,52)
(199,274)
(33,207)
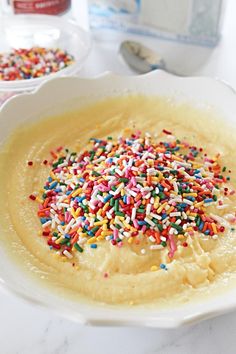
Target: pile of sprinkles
(120,191)
(23,64)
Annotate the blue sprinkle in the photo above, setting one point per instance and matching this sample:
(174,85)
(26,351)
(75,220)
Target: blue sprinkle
(53,185)
(201,226)
(43,220)
(108,197)
(57,190)
(207,232)
(190,198)
(68,192)
(90,233)
(50,179)
(140,222)
(163,266)
(164,216)
(82,180)
(63,223)
(208,200)
(93,245)
(67,236)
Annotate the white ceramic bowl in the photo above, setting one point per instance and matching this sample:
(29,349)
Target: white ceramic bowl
(62,94)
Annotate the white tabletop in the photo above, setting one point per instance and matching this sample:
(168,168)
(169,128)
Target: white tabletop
(26,329)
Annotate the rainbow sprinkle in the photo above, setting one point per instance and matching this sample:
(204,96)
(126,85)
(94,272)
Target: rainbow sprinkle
(24,64)
(131,191)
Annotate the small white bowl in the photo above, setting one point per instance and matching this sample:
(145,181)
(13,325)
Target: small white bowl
(27,31)
(64,94)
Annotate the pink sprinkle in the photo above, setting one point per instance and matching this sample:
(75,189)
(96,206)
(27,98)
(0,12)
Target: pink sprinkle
(144,228)
(135,222)
(116,234)
(173,247)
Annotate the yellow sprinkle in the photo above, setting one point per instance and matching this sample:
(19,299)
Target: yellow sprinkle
(59,240)
(39,200)
(189,194)
(77,192)
(53,175)
(99,223)
(170,209)
(105,206)
(153,268)
(127,225)
(130,240)
(180,237)
(73,213)
(159,210)
(100,238)
(214,228)
(104,227)
(122,192)
(197,205)
(77,211)
(176,158)
(92,240)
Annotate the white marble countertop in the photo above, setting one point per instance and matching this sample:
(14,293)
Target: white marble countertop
(25,329)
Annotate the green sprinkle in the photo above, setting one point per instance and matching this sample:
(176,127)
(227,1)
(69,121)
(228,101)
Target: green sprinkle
(78,248)
(215,197)
(125,180)
(95,173)
(176,227)
(119,213)
(140,210)
(64,241)
(163,243)
(162,195)
(94,229)
(224,169)
(116,205)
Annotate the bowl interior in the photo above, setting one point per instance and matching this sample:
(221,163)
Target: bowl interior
(67,94)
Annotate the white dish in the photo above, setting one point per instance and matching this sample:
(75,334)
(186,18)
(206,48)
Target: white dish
(65,94)
(27,31)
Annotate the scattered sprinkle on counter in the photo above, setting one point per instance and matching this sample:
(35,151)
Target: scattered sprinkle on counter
(131,189)
(24,64)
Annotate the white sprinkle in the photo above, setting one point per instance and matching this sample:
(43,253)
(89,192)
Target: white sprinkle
(67,254)
(133,214)
(148,209)
(176,213)
(46,224)
(134,194)
(156,247)
(175,186)
(152,239)
(121,186)
(119,172)
(163,238)
(155,216)
(143,251)
(187,201)
(150,222)
(215,237)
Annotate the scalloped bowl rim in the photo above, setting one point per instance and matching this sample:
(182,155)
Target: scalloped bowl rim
(111,84)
